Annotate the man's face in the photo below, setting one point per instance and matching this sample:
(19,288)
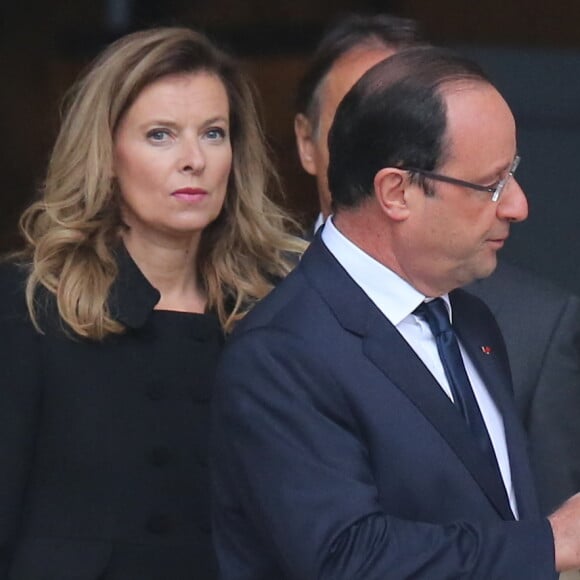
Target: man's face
(452,237)
(313,144)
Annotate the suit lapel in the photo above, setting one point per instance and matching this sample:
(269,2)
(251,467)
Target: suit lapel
(419,385)
(483,342)
(389,351)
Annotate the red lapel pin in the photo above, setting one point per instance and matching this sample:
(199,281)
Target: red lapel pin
(486,349)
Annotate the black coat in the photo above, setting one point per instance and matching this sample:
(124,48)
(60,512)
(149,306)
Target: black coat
(103,445)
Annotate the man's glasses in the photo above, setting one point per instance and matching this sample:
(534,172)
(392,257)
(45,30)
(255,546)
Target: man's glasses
(495,190)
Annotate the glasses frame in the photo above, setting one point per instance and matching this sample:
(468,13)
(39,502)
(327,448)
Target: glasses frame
(495,191)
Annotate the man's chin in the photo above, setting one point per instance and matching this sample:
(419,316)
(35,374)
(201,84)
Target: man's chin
(481,269)
(486,268)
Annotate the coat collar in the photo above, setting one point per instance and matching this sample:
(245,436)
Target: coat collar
(358,315)
(132,297)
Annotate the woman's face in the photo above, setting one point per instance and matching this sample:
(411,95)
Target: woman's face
(172,158)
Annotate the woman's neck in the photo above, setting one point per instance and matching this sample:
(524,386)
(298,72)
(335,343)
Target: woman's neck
(171,268)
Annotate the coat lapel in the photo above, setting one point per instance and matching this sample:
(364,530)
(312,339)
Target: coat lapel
(389,351)
(419,385)
(482,340)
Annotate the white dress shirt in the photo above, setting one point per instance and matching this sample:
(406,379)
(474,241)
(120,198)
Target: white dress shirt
(397,300)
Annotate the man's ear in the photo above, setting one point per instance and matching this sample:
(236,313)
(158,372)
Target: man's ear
(390,191)
(305,143)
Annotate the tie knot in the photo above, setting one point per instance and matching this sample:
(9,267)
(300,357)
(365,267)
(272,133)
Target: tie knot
(435,314)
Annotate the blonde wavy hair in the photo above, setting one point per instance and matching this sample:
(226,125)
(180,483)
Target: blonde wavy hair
(72,230)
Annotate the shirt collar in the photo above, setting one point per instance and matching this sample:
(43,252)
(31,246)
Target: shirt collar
(318,223)
(394,297)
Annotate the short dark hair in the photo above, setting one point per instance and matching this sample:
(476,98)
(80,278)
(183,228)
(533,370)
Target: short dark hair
(341,36)
(394,116)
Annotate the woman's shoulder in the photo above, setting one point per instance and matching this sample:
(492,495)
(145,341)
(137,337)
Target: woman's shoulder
(13,276)
(13,307)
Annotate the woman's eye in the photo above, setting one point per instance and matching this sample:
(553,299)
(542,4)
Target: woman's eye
(215,134)
(158,135)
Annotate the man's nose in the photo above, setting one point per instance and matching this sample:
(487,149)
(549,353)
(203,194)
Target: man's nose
(513,205)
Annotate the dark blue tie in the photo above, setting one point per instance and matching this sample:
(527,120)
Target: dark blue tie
(436,315)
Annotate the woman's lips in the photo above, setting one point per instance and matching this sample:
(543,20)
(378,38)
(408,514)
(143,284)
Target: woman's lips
(190,194)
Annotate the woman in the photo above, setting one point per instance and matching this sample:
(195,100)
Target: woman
(153,235)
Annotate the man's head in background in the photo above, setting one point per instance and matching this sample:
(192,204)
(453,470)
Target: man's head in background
(346,51)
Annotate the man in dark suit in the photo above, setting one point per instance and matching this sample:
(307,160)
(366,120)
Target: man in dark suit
(539,322)
(357,434)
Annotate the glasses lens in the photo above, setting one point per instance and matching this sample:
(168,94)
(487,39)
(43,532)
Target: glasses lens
(501,185)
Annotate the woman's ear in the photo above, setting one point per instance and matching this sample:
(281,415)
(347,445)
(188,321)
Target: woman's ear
(390,191)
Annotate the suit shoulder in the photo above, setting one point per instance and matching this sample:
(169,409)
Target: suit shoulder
(519,288)
(286,301)
(524,279)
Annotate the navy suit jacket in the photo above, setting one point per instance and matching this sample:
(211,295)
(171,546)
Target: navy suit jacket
(337,455)
(541,327)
